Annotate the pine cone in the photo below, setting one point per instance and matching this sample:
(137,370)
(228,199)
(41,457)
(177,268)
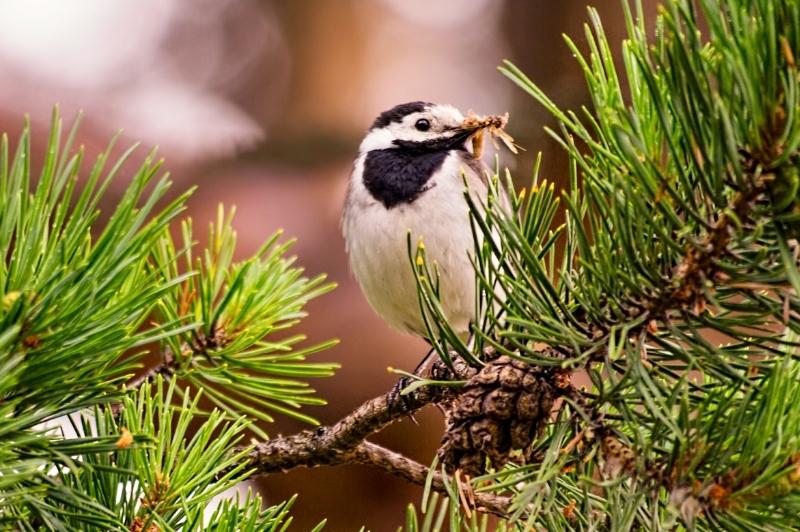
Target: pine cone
(499,411)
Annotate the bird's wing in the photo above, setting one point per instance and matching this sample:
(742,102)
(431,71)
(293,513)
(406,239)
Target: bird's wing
(478,176)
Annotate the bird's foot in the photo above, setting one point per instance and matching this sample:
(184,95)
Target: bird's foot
(396,401)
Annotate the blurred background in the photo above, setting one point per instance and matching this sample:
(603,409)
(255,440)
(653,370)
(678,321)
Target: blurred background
(262,104)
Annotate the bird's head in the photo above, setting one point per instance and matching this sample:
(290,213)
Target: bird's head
(419,125)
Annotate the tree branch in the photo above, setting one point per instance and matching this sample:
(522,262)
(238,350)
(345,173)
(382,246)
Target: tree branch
(345,443)
(374,455)
(324,444)
(166,368)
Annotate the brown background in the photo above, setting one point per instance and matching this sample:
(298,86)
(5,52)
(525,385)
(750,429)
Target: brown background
(262,104)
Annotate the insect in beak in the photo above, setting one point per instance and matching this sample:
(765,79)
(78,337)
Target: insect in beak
(494,125)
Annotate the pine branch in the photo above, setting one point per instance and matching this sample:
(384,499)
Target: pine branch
(324,445)
(373,455)
(345,443)
(685,289)
(229,312)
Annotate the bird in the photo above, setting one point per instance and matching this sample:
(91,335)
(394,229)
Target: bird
(409,176)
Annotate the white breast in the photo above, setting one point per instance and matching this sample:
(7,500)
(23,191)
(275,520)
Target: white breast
(378,252)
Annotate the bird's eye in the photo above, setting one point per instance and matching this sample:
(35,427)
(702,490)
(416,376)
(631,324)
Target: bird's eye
(422,124)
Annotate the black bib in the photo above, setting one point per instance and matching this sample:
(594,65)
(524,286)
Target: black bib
(399,175)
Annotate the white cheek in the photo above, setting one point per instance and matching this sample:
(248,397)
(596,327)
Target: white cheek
(413,135)
(377,139)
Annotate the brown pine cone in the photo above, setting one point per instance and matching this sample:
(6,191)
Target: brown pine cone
(499,411)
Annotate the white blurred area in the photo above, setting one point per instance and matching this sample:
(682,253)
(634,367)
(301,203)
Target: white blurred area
(206,79)
(158,69)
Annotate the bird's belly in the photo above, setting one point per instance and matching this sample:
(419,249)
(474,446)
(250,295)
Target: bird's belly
(378,250)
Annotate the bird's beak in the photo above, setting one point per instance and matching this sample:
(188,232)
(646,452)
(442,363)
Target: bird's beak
(463,132)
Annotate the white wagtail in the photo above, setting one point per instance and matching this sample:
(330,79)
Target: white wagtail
(409,176)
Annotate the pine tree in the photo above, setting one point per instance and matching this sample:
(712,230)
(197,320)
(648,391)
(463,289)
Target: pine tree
(80,305)
(634,366)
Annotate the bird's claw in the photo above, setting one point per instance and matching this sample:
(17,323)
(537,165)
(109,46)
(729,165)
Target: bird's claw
(396,399)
